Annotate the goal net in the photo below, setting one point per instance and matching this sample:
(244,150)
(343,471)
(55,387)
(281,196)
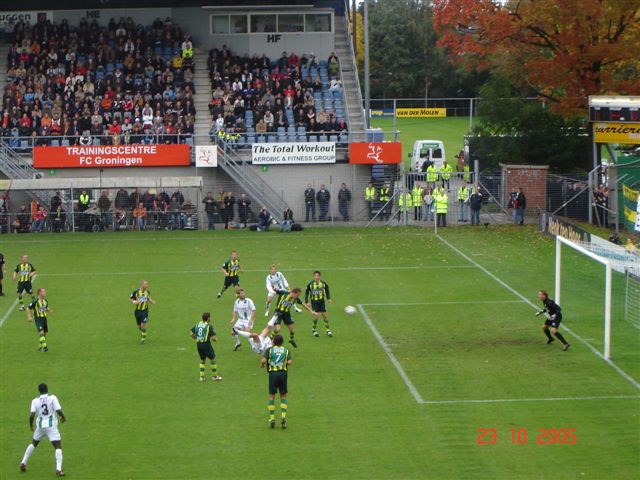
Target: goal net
(599,295)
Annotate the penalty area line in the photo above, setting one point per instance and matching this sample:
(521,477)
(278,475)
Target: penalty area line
(479,302)
(619,370)
(550,399)
(8,312)
(394,361)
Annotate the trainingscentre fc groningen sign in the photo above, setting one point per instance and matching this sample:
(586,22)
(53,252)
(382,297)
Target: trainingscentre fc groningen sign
(293,153)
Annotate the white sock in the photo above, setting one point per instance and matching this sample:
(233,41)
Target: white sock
(237,340)
(58,459)
(273,320)
(244,334)
(28,453)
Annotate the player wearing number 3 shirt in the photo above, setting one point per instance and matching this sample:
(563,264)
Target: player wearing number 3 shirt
(45,410)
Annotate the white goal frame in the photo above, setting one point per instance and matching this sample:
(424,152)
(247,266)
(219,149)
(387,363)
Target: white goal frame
(607,293)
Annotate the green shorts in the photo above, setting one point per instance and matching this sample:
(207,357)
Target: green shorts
(142,316)
(205,350)
(284,317)
(277,382)
(41,324)
(228,281)
(318,306)
(25,287)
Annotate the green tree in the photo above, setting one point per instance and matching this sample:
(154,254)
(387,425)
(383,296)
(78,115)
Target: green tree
(405,60)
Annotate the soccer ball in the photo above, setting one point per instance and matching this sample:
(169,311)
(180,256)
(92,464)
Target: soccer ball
(349,310)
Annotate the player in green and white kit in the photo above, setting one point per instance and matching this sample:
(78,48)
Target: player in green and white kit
(244,313)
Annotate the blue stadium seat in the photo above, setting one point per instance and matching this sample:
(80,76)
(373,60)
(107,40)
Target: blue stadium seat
(333,138)
(96,141)
(281,130)
(260,139)
(282,137)
(323,138)
(302,137)
(291,129)
(55,143)
(293,137)
(65,142)
(271,138)
(301,131)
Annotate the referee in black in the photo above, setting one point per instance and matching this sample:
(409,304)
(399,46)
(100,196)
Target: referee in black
(553,321)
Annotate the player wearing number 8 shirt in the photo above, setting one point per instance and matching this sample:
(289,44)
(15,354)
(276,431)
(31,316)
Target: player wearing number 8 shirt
(277,360)
(141,298)
(318,291)
(244,313)
(553,321)
(45,410)
(204,334)
(24,272)
(231,269)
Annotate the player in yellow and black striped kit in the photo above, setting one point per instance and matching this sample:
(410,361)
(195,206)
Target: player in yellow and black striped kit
(231,269)
(318,292)
(40,308)
(24,273)
(141,299)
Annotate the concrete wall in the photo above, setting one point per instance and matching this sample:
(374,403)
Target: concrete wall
(196,21)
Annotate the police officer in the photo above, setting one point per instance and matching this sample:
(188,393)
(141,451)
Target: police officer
(385,200)
(442,206)
(463,199)
(445,172)
(417,195)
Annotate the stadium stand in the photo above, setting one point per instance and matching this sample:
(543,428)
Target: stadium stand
(86,84)
(290,99)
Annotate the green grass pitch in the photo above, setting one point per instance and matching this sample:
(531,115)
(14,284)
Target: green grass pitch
(470,348)
(451,130)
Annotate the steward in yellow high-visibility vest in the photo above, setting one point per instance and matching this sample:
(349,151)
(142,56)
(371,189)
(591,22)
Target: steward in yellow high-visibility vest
(445,173)
(463,200)
(405,201)
(441,200)
(466,175)
(370,197)
(432,175)
(418,201)
(385,196)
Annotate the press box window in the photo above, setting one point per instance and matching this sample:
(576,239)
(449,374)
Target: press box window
(290,23)
(263,23)
(318,22)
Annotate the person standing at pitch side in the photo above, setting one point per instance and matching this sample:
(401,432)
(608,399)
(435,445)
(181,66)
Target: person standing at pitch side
(553,322)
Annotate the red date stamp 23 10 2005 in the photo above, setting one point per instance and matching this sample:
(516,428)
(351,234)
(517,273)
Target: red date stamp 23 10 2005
(519,436)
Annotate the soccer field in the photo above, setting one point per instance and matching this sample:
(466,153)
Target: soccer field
(444,343)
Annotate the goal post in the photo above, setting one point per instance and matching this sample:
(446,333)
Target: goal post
(607,293)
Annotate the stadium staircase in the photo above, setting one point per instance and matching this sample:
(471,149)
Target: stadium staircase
(12,165)
(230,160)
(350,82)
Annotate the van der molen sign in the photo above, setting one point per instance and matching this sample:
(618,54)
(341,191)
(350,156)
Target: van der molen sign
(293,153)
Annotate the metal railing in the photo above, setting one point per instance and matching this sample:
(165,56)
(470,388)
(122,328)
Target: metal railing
(15,167)
(354,66)
(26,143)
(244,175)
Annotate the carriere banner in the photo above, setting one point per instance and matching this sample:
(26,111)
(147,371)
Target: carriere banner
(293,153)
(554,226)
(375,153)
(112,156)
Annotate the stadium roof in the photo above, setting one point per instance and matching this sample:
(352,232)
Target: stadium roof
(100,4)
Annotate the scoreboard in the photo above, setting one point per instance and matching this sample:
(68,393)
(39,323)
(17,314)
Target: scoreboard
(614,109)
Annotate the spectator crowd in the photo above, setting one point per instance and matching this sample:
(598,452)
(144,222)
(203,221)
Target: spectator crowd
(75,84)
(292,98)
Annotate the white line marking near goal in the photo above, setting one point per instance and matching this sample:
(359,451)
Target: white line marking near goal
(398,304)
(264,270)
(392,357)
(5,317)
(551,399)
(621,372)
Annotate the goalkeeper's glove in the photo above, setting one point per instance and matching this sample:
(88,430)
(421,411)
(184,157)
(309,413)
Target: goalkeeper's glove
(539,313)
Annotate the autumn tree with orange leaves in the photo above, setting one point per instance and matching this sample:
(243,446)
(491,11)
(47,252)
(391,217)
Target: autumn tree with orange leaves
(562,50)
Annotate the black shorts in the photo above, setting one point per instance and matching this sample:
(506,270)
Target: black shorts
(277,382)
(205,350)
(41,324)
(284,317)
(228,281)
(318,306)
(142,316)
(25,287)
(553,321)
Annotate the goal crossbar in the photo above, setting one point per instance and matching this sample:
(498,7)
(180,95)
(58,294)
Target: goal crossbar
(607,295)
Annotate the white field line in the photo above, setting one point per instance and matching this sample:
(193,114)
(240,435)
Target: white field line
(215,271)
(7,314)
(550,399)
(479,302)
(392,357)
(621,372)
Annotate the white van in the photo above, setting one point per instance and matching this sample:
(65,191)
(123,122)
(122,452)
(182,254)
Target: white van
(429,151)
